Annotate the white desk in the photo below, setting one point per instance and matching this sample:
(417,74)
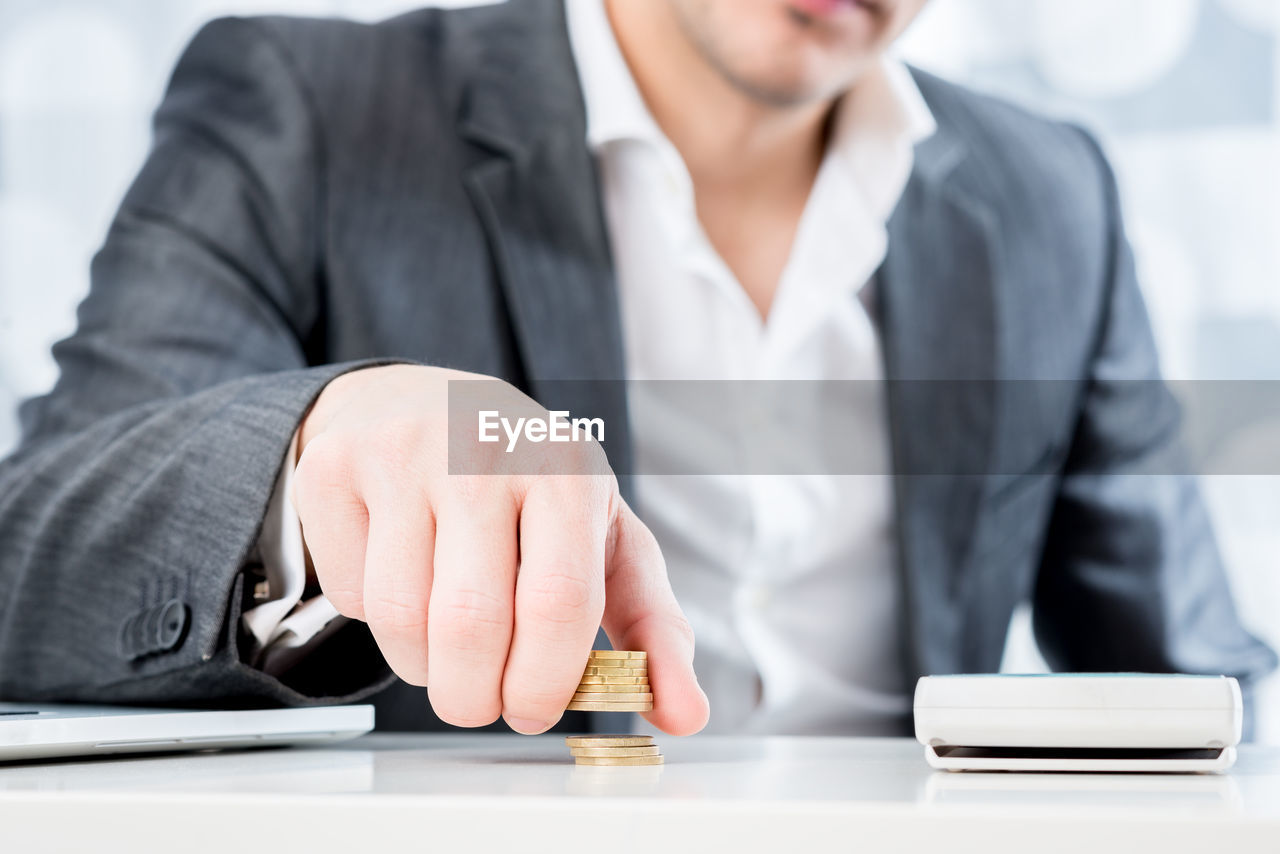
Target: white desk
(475,793)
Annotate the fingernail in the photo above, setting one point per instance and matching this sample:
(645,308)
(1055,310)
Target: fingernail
(528,727)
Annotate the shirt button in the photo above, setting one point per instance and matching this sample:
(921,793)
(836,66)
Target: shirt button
(172,618)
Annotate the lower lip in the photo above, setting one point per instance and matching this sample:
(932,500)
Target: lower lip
(826,8)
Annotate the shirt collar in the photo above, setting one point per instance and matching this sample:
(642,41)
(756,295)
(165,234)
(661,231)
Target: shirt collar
(876,127)
(616,110)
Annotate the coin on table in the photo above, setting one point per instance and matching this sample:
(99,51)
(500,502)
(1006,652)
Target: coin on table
(584,706)
(598,697)
(608,740)
(615,653)
(618,760)
(644,750)
(613,689)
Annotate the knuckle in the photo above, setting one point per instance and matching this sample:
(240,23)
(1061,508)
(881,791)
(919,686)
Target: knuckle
(596,489)
(559,597)
(471,620)
(400,455)
(592,460)
(586,500)
(325,466)
(395,437)
(682,628)
(471,490)
(396,613)
(583,461)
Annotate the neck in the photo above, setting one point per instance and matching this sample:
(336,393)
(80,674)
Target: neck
(729,141)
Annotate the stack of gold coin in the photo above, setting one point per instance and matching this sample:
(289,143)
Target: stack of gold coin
(613,750)
(614,681)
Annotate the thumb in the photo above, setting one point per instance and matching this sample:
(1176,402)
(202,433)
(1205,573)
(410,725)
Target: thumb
(641,613)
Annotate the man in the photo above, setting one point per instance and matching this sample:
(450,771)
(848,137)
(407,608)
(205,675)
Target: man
(336,221)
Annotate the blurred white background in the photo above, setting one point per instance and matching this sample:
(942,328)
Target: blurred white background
(1184,93)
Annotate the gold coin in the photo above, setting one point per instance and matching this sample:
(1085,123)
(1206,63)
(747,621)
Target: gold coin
(584,706)
(615,680)
(608,740)
(588,687)
(614,653)
(642,750)
(592,670)
(618,760)
(597,697)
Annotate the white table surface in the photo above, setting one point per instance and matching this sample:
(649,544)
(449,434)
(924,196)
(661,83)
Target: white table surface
(475,793)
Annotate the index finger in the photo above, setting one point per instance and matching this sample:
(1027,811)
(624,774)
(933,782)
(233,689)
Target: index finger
(642,614)
(559,597)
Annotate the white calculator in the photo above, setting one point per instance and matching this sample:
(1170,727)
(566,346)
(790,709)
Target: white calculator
(1079,722)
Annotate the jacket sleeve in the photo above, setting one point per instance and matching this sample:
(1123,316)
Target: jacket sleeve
(1131,577)
(130,511)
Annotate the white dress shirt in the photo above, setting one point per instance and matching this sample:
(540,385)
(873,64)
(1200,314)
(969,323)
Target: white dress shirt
(790,581)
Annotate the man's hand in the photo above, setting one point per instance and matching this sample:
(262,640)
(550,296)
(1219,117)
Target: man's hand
(488,588)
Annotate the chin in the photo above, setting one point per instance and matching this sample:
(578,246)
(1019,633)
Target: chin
(788,51)
(799,76)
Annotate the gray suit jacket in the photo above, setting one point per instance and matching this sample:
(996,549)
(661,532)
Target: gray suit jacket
(323,195)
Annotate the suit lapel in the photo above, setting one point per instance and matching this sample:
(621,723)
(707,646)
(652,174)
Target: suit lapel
(936,304)
(535,188)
